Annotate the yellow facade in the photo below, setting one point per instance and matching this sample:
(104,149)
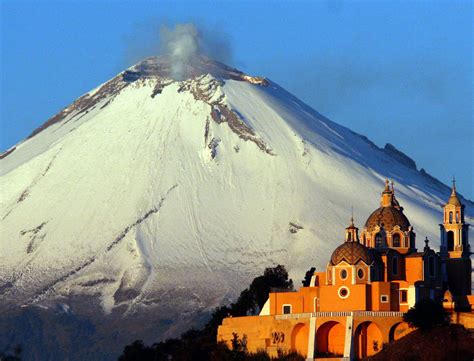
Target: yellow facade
(357,304)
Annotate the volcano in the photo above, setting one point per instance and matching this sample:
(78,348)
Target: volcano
(147,202)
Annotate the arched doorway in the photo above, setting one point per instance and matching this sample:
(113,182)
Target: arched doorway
(450,241)
(299,339)
(367,340)
(330,339)
(398,331)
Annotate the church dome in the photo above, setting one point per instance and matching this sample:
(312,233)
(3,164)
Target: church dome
(351,252)
(388,217)
(453,198)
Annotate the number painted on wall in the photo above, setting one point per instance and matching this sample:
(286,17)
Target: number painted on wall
(278,337)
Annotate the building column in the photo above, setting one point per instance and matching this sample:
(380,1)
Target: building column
(311,339)
(348,342)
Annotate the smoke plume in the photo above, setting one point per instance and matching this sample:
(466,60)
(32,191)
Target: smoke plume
(183,43)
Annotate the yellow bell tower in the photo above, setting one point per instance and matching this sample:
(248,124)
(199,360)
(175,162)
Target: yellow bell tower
(454,232)
(352,234)
(455,250)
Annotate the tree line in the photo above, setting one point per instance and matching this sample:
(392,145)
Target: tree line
(202,345)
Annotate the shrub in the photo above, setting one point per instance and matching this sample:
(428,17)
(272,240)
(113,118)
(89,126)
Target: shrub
(426,314)
(202,345)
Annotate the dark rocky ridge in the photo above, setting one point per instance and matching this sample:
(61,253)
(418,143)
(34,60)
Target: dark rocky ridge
(160,66)
(84,103)
(7,152)
(400,156)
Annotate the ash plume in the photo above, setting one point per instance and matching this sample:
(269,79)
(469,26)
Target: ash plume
(183,43)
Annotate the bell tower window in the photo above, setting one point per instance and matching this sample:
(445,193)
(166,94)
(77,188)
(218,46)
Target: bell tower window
(450,236)
(450,217)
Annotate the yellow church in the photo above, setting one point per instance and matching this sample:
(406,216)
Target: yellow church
(357,304)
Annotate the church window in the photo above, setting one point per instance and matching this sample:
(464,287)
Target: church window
(431,266)
(403,296)
(395,266)
(450,239)
(360,273)
(396,240)
(343,274)
(286,309)
(378,240)
(457,217)
(343,292)
(450,217)
(384,299)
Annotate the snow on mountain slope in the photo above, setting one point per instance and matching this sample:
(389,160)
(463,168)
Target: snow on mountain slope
(148,191)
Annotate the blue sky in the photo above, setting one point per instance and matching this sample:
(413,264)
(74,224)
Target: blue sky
(398,72)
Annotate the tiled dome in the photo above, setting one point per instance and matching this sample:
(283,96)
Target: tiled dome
(351,252)
(388,217)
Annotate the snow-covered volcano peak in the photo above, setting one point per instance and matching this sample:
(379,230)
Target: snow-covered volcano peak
(166,197)
(156,71)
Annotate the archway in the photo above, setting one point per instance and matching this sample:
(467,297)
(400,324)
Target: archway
(299,339)
(330,339)
(450,241)
(367,340)
(398,330)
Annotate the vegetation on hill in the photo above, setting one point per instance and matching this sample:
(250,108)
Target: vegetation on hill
(434,339)
(426,314)
(202,345)
(440,343)
(11,355)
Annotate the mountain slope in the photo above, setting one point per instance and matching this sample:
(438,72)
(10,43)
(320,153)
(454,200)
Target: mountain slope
(167,197)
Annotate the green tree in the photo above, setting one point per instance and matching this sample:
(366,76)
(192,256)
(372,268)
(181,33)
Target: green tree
(307,277)
(426,314)
(202,345)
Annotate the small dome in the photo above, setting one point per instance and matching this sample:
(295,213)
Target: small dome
(351,252)
(389,217)
(454,200)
